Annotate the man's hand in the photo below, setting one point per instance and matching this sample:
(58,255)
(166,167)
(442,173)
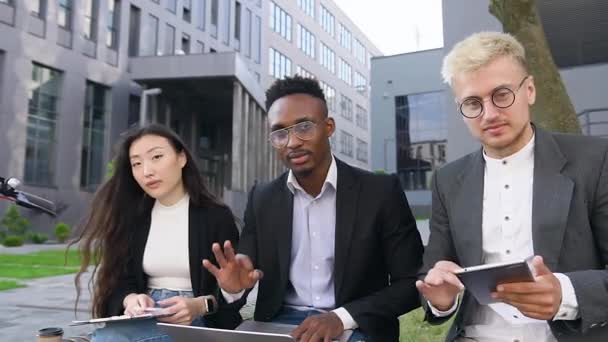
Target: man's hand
(182,310)
(236,272)
(539,299)
(322,327)
(440,286)
(135,304)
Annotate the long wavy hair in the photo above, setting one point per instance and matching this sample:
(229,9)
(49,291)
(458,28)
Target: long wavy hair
(119,207)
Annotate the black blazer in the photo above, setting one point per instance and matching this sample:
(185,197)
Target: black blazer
(376,239)
(206,226)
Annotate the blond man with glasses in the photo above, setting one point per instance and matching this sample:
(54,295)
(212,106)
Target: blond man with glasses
(525,193)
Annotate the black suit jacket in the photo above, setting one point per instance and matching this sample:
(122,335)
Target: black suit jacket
(569,225)
(206,226)
(376,240)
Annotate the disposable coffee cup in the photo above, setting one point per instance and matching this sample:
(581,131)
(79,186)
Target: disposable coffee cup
(50,335)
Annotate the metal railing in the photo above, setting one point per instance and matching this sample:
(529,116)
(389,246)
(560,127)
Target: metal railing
(590,125)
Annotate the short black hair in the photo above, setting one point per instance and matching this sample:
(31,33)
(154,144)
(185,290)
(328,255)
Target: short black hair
(295,85)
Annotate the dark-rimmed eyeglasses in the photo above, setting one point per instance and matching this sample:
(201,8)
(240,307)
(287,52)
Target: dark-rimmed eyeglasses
(503,97)
(304,130)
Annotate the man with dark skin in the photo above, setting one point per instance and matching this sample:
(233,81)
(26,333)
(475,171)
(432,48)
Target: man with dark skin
(323,238)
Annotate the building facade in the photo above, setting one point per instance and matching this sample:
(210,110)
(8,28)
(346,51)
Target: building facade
(75,75)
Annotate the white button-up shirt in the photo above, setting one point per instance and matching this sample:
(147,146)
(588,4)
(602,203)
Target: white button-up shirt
(507,236)
(311,271)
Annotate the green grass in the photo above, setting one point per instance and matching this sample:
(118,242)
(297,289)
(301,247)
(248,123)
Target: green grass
(30,272)
(414,329)
(36,265)
(9,284)
(45,258)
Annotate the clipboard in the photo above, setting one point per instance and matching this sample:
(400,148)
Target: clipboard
(156,313)
(482,280)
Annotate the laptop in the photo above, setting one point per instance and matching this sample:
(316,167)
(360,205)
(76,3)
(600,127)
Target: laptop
(248,331)
(186,333)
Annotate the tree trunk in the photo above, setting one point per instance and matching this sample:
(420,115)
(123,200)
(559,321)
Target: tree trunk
(553,109)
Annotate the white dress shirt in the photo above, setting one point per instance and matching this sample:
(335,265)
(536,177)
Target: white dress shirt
(311,271)
(507,236)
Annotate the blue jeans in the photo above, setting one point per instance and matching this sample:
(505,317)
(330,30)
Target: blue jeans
(142,330)
(292,316)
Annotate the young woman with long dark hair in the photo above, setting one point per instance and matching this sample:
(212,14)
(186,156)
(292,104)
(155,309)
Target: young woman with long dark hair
(148,230)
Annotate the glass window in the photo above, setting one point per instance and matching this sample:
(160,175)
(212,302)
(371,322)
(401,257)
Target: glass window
(113,21)
(149,43)
(43,110)
(346,38)
(171,5)
(185,44)
(328,22)
(308,6)
(248,32)
(187,10)
(202,14)
(90,19)
(96,111)
(280,21)
(346,107)
(279,64)
(226,24)
(360,53)
(346,143)
(345,72)
(38,8)
(328,58)
(421,122)
(303,72)
(257,45)
(169,40)
(361,117)
(64,14)
(237,21)
(330,96)
(360,83)
(306,41)
(361,151)
(215,13)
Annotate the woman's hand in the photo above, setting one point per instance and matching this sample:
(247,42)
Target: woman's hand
(183,310)
(135,303)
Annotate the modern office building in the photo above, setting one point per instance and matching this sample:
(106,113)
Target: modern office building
(75,75)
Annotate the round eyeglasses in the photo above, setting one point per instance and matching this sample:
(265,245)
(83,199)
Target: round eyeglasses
(503,97)
(304,130)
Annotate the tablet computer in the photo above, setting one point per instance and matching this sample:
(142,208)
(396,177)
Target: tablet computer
(482,280)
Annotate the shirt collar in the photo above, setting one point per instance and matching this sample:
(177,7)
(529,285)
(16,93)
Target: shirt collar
(524,155)
(330,180)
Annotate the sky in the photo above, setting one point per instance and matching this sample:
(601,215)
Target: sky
(397,26)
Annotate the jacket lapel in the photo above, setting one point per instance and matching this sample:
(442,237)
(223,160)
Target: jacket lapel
(283,227)
(196,228)
(552,193)
(468,203)
(347,197)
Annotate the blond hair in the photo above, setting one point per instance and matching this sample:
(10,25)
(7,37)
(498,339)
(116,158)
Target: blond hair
(478,50)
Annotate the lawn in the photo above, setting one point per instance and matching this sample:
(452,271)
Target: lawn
(35,265)
(9,284)
(414,329)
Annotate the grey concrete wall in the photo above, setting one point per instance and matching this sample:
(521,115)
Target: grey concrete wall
(410,73)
